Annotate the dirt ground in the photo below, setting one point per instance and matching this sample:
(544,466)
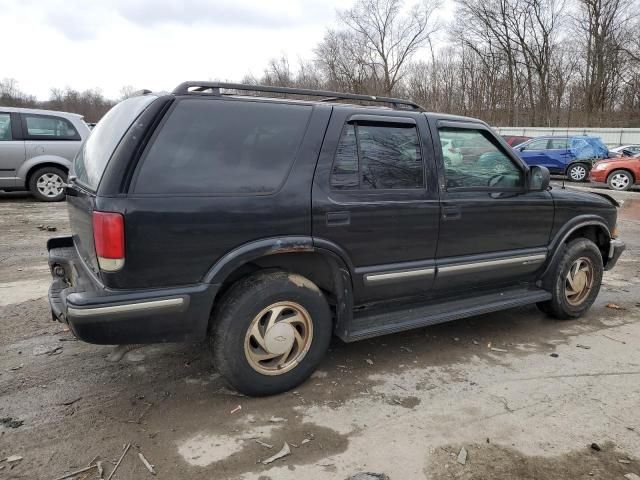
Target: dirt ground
(403,405)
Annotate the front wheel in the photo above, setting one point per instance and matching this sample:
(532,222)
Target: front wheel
(575,281)
(577,172)
(270,332)
(620,180)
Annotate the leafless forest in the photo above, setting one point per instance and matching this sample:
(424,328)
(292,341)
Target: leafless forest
(509,62)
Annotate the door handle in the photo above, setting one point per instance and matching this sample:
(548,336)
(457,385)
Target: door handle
(451,212)
(335,219)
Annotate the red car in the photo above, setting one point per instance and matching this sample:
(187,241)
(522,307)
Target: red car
(515,140)
(618,173)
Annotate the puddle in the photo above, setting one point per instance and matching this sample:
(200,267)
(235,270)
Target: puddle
(204,449)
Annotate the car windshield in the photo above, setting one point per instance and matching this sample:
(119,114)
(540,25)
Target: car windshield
(92,159)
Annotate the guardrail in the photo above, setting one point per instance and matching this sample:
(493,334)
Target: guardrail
(613,137)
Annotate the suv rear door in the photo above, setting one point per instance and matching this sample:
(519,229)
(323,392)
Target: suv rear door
(11,148)
(375,198)
(492,229)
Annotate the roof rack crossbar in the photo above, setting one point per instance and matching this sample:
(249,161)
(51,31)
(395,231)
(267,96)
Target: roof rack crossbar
(199,87)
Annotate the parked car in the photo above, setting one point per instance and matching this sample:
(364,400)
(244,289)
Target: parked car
(515,140)
(618,173)
(267,225)
(36,150)
(570,156)
(627,150)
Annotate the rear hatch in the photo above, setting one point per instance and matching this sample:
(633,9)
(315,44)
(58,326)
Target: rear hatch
(89,167)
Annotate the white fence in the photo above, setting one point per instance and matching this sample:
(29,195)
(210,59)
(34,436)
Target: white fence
(613,137)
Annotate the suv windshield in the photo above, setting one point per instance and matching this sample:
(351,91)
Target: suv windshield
(93,157)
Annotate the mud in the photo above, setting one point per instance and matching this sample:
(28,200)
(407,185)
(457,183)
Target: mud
(427,393)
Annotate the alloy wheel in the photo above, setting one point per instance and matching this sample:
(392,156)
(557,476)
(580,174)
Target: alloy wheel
(577,173)
(619,181)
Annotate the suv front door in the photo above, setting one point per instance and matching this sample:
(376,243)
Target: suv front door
(492,230)
(12,153)
(375,199)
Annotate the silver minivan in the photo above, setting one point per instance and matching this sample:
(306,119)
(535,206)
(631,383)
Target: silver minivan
(37,148)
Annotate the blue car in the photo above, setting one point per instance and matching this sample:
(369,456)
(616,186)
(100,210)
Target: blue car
(570,156)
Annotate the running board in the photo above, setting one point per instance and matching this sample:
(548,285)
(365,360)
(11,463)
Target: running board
(373,324)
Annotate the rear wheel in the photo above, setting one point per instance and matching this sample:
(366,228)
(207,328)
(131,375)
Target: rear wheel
(620,180)
(577,172)
(270,332)
(47,184)
(575,281)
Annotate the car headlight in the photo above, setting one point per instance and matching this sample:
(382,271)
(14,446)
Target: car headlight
(599,166)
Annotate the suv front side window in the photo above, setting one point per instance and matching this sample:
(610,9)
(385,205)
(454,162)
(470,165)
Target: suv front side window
(559,144)
(49,127)
(486,166)
(5,127)
(378,156)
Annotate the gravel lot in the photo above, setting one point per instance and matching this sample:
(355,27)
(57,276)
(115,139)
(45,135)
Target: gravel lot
(403,404)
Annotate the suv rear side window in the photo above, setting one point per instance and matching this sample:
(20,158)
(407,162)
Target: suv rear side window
(378,156)
(5,127)
(223,147)
(48,127)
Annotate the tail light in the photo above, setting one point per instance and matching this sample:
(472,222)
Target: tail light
(108,236)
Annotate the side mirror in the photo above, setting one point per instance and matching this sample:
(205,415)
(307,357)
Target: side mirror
(539,178)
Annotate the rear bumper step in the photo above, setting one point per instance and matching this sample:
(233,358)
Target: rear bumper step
(392,321)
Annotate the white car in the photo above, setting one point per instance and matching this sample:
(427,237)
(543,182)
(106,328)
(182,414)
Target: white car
(634,148)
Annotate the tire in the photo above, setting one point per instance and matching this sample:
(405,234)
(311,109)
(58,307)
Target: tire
(579,254)
(46,184)
(252,302)
(577,172)
(620,180)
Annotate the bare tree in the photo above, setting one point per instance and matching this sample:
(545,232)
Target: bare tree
(390,36)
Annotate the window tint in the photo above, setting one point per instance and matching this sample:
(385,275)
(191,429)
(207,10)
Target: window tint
(89,164)
(345,167)
(478,163)
(224,147)
(5,127)
(559,143)
(388,157)
(50,127)
(541,144)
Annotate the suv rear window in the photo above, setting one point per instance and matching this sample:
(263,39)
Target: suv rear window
(223,147)
(93,157)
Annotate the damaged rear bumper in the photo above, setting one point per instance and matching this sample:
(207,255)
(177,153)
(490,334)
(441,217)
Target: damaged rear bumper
(97,314)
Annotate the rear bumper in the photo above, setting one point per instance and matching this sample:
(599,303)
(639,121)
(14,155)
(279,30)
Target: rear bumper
(100,315)
(616,247)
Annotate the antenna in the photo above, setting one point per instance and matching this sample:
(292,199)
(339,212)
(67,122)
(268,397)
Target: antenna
(567,132)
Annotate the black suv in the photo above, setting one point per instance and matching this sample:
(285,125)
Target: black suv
(267,222)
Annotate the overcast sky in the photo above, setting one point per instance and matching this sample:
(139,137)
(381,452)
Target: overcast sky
(153,44)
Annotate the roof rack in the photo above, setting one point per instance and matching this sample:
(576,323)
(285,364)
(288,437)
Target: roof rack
(214,88)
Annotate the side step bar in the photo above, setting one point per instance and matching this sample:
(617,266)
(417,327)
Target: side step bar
(373,324)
